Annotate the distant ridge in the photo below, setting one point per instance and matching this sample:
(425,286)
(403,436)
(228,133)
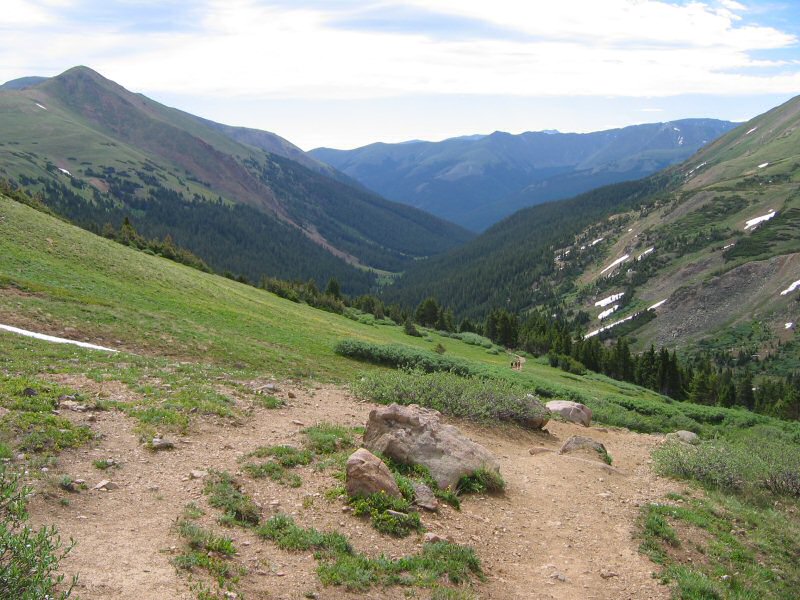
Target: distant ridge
(477,180)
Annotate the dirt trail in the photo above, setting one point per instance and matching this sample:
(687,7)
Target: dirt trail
(563,530)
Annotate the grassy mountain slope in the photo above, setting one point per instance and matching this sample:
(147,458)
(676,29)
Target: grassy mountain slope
(62,280)
(98,152)
(685,235)
(478,181)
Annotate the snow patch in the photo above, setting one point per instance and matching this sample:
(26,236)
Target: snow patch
(55,340)
(680,140)
(751,130)
(597,241)
(40,106)
(607,312)
(757,220)
(729,246)
(702,164)
(609,326)
(620,260)
(791,288)
(762,165)
(609,300)
(65,172)
(657,304)
(645,253)
(788,325)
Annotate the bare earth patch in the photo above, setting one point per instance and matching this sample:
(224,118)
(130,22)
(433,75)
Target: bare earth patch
(563,529)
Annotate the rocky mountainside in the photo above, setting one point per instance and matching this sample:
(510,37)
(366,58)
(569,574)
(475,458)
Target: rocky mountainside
(710,246)
(477,180)
(246,201)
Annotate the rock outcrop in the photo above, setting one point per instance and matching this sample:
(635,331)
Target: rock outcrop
(416,436)
(574,412)
(367,474)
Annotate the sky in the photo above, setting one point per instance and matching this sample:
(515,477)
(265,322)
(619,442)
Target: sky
(345,73)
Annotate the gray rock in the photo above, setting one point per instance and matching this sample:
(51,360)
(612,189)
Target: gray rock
(433,538)
(574,412)
(29,392)
(424,497)
(367,474)
(687,437)
(578,443)
(162,444)
(537,415)
(413,435)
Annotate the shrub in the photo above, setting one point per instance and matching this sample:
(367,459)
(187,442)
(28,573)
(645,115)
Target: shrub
(30,559)
(482,480)
(399,522)
(467,397)
(225,493)
(396,355)
(759,461)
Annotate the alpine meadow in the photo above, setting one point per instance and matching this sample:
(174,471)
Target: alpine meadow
(395,357)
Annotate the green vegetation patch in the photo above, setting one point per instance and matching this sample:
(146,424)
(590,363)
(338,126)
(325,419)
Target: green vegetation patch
(399,356)
(327,438)
(389,515)
(762,461)
(471,398)
(224,492)
(723,548)
(30,558)
(340,565)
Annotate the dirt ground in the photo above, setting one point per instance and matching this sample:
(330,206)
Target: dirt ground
(564,529)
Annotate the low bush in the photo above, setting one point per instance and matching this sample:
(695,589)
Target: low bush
(399,356)
(393,516)
(225,493)
(467,397)
(759,461)
(29,559)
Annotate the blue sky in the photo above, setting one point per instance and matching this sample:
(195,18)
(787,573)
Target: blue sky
(345,73)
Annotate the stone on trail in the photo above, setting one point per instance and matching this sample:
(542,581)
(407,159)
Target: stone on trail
(412,435)
(159,443)
(574,412)
(424,497)
(367,474)
(537,415)
(687,437)
(578,442)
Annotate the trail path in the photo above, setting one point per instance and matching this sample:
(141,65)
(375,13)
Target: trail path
(563,530)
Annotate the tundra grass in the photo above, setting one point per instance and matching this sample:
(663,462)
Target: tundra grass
(722,547)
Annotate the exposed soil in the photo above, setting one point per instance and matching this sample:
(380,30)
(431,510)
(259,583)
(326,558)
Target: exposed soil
(564,529)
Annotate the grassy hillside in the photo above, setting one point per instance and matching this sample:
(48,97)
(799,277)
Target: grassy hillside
(98,153)
(187,329)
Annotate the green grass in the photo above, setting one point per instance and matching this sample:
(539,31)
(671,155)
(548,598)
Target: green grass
(225,493)
(340,565)
(404,521)
(722,547)
(326,438)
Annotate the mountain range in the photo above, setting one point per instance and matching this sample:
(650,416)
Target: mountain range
(244,200)
(704,254)
(476,181)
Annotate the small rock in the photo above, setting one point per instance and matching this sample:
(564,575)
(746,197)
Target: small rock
(606,574)
(162,444)
(367,474)
(578,442)
(424,497)
(433,538)
(29,392)
(105,484)
(300,423)
(538,450)
(197,474)
(291,395)
(395,513)
(687,437)
(558,576)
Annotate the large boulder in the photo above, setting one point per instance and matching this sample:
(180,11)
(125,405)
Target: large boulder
(367,474)
(575,412)
(413,435)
